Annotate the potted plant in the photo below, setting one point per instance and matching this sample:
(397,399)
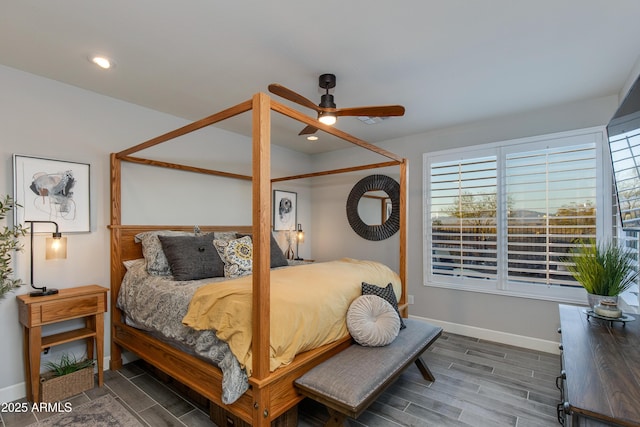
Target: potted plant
(9,243)
(66,378)
(605,270)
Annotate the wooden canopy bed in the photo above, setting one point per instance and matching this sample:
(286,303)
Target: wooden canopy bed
(270,394)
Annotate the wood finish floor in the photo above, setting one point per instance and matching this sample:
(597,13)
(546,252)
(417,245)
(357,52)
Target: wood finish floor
(478,383)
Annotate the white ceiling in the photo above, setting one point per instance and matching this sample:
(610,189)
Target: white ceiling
(447,61)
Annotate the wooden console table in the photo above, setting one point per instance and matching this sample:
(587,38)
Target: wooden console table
(89,302)
(601,368)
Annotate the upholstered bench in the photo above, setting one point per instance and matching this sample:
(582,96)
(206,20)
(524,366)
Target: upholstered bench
(350,381)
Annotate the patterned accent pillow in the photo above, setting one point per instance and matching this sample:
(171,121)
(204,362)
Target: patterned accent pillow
(372,321)
(192,257)
(157,264)
(385,293)
(237,256)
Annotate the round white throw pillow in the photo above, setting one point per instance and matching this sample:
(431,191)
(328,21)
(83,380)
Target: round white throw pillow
(372,321)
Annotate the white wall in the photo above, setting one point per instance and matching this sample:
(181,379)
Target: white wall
(334,237)
(495,317)
(45,118)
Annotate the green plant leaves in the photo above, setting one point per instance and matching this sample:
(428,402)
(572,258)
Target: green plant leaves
(603,269)
(67,364)
(9,243)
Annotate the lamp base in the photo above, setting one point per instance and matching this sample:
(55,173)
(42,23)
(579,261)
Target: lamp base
(43,292)
(299,259)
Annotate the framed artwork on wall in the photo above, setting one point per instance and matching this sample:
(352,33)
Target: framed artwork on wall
(52,190)
(285,207)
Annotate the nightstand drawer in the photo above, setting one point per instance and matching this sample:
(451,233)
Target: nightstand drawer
(71,308)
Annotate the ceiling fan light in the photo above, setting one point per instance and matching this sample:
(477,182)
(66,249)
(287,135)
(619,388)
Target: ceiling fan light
(327,118)
(312,138)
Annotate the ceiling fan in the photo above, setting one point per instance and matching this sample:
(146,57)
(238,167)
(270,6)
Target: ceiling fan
(327,111)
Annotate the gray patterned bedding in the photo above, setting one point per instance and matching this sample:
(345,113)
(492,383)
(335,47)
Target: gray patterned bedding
(157,304)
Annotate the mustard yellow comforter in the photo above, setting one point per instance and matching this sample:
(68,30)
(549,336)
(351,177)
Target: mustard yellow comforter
(308,307)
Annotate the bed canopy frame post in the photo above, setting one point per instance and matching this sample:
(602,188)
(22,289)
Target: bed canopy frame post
(402,267)
(261,256)
(115,357)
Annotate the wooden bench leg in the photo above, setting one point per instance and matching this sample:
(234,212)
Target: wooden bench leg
(336,419)
(424,369)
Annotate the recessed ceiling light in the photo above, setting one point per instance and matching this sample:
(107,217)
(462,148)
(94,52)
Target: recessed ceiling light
(312,138)
(102,62)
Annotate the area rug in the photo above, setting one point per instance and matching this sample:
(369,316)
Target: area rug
(105,411)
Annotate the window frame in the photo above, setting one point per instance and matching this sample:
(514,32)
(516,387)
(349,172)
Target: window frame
(502,286)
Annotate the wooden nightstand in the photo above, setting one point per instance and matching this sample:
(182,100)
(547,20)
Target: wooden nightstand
(89,302)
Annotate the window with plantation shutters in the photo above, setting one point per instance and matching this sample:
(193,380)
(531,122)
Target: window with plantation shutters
(504,217)
(463,217)
(551,198)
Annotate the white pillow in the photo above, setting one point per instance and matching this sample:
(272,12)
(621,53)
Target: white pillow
(372,321)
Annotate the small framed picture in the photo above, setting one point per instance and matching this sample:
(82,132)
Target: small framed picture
(52,190)
(285,207)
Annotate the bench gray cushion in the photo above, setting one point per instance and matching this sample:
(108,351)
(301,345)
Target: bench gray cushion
(352,379)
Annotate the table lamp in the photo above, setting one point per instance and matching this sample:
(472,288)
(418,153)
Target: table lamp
(56,249)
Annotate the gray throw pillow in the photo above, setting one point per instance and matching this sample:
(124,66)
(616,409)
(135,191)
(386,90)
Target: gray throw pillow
(386,293)
(192,257)
(157,264)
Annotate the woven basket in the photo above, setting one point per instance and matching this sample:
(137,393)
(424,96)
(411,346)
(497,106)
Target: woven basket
(55,389)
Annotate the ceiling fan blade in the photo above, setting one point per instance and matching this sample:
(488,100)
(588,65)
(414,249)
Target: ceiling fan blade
(292,96)
(308,130)
(372,111)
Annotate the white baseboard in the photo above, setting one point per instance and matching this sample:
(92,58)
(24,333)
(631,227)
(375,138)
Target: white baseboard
(496,336)
(13,392)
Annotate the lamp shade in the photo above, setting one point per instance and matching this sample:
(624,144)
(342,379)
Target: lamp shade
(300,233)
(56,248)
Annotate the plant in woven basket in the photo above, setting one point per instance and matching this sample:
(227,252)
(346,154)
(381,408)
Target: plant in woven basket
(9,243)
(65,378)
(605,269)
(67,365)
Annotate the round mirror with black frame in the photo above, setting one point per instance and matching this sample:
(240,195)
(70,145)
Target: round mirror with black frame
(374,183)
